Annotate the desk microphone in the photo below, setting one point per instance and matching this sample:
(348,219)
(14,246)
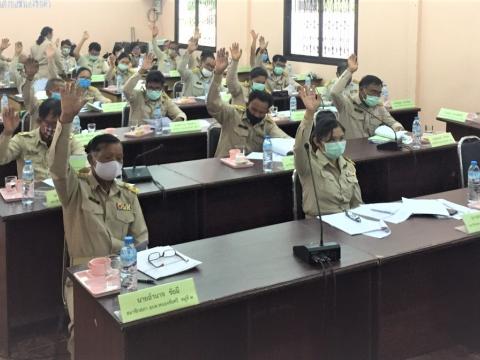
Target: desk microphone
(139,174)
(324,252)
(390,145)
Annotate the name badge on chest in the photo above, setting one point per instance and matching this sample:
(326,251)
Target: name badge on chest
(124,207)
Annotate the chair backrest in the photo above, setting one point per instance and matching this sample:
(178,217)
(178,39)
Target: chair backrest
(177,89)
(214,132)
(125,115)
(468,150)
(297,190)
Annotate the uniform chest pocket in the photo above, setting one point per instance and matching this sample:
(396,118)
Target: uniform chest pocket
(125,217)
(241,132)
(198,85)
(352,179)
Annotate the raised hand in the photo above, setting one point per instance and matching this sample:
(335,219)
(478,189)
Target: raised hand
(111,60)
(10,121)
(31,68)
(18,48)
(192,45)
(72,102)
(57,43)
(196,34)
(85,36)
(310,98)
(147,63)
(254,35)
(236,51)
(262,44)
(5,43)
(221,63)
(50,51)
(154,31)
(352,63)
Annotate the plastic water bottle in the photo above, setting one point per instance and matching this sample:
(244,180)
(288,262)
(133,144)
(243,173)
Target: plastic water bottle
(308,81)
(168,66)
(293,104)
(267,154)
(157,117)
(128,271)
(6,78)
(119,83)
(4,102)
(28,178)
(417,133)
(385,95)
(473,182)
(76,127)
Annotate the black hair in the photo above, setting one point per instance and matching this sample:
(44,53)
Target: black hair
(258,49)
(341,67)
(325,123)
(262,96)
(66,42)
(94,46)
(206,54)
(122,56)
(52,82)
(49,106)
(116,48)
(79,70)
(279,58)
(98,141)
(368,80)
(155,76)
(258,71)
(43,34)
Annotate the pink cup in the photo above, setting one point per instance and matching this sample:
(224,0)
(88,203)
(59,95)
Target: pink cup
(110,131)
(233,154)
(99,266)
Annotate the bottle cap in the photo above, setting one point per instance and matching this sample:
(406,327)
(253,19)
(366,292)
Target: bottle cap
(474,162)
(128,240)
(28,162)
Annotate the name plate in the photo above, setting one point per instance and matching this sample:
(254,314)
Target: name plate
(402,104)
(51,199)
(288,162)
(156,300)
(98,78)
(472,222)
(441,139)
(297,115)
(174,73)
(77,162)
(114,107)
(185,126)
(84,139)
(451,114)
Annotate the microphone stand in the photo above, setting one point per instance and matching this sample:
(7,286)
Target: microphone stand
(139,174)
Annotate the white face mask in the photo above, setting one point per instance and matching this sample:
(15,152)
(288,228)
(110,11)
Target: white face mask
(207,73)
(109,170)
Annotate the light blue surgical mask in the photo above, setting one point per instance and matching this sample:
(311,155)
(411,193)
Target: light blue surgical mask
(264,57)
(333,150)
(122,67)
(372,100)
(56,96)
(154,95)
(258,86)
(93,57)
(278,70)
(84,83)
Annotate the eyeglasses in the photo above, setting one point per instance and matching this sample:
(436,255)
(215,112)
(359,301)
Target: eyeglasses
(167,257)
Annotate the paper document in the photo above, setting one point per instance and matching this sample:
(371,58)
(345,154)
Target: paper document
(351,227)
(49,182)
(379,211)
(164,266)
(259,156)
(283,146)
(425,207)
(388,133)
(461,210)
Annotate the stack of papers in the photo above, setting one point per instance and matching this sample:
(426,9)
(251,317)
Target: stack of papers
(385,134)
(372,228)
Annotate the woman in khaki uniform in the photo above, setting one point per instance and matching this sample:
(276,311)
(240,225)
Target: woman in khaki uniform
(83,78)
(39,53)
(335,175)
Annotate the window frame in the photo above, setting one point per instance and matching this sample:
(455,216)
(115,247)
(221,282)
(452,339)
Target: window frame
(200,47)
(287,37)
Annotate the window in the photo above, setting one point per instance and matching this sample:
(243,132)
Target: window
(190,14)
(320,31)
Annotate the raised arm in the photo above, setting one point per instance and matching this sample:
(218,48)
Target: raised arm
(336,94)
(156,49)
(129,86)
(110,75)
(312,102)
(215,106)
(233,85)
(51,53)
(253,47)
(9,149)
(263,45)
(5,43)
(186,58)
(65,180)
(29,99)
(76,51)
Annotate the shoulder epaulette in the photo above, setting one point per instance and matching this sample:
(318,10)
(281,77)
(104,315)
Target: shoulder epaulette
(349,160)
(83,173)
(24,133)
(130,187)
(240,108)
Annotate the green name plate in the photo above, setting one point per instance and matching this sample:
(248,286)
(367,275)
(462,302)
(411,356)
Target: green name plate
(156,300)
(454,115)
(98,78)
(113,107)
(322,90)
(402,104)
(472,222)
(185,126)
(441,139)
(52,199)
(84,139)
(174,73)
(300,77)
(288,162)
(226,97)
(244,69)
(297,115)
(77,162)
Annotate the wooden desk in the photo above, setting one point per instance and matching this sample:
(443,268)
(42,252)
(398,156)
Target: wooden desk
(459,129)
(256,302)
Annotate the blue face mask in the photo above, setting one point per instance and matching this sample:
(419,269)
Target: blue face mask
(258,86)
(56,96)
(333,150)
(84,83)
(264,57)
(372,100)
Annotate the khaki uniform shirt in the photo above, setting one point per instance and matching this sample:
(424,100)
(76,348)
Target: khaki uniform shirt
(38,53)
(95,222)
(97,67)
(32,104)
(68,63)
(30,146)
(112,73)
(337,187)
(236,129)
(279,83)
(238,91)
(358,119)
(92,94)
(141,107)
(194,82)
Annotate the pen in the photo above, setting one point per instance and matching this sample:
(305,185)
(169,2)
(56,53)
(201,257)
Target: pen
(352,216)
(146,281)
(382,211)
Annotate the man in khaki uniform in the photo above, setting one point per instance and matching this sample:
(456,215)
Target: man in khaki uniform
(119,66)
(362,114)
(93,60)
(143,103)
(83,77)
(33,145)
(335,175)
(279,78)
(98,211)
(240,125)
(196,81)
(167,59)
(240,92)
